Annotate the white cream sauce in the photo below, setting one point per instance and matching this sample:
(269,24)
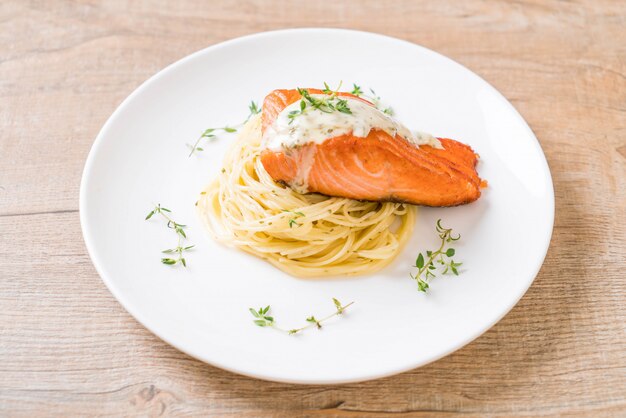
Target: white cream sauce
(317,126)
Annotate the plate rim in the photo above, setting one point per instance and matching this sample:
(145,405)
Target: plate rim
(138,316)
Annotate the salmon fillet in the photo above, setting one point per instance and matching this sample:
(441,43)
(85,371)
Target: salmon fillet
(379,167)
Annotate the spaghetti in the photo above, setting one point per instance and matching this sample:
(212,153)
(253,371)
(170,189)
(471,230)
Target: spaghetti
(306,235)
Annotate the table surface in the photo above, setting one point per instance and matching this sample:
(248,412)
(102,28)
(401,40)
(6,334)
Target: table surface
(68,348)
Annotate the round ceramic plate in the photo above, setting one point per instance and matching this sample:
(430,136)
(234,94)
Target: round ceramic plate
(140,158)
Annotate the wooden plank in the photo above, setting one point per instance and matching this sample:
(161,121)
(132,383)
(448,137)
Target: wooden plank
(68,348)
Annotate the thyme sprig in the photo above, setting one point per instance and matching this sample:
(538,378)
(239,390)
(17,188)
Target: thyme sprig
(328,104)
(264,319)
(212,133)
(180,233)
(441,257)
(374,98)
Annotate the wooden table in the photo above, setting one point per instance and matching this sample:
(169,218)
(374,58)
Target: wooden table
(68,348)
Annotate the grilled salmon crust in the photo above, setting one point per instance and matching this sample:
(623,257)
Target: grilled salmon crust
(379,167)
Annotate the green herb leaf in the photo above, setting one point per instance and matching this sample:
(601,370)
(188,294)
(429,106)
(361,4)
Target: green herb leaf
(356,90)
(427,266)
(419,263)
(254,109)
(313,320)
(342,106)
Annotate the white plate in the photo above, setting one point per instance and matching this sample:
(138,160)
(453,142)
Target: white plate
(140,158)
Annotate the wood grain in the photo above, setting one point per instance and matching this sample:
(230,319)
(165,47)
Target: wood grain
(67,348)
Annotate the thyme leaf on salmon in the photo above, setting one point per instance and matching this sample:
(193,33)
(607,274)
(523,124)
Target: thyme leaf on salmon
(327,104)
(179,229)
(442,257)
(356,90)
(374,98)
(262,318)
(212,133)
